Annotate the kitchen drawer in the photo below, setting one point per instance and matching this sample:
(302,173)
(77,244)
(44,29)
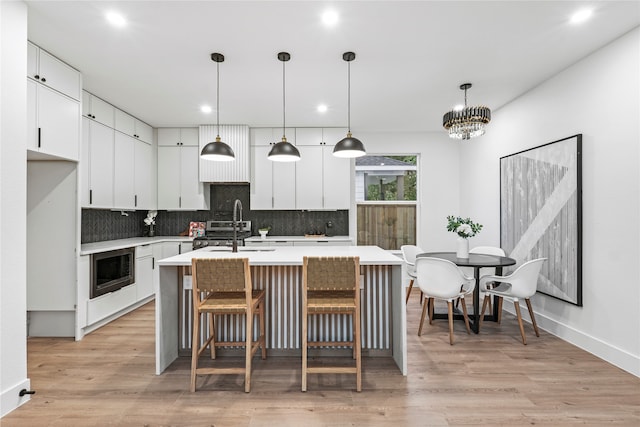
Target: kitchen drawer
(323,242)
(106,305)
(144,251)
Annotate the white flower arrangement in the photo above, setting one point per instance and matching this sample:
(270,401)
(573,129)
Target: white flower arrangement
(151,218)
(463,227)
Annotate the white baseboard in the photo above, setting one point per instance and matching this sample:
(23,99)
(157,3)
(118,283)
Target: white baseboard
(10,398)
(605,351)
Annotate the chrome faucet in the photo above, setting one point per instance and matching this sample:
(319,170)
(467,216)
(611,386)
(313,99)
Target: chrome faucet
(237,207)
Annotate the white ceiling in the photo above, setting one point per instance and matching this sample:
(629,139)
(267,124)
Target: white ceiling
(411,56)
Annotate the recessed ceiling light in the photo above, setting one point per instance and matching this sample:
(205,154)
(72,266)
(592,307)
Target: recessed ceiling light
(206,109)
(322,108)
(116,19)
(581,16)
(330,18)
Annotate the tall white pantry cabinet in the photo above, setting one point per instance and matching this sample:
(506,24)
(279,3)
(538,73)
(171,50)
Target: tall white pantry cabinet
(53,151)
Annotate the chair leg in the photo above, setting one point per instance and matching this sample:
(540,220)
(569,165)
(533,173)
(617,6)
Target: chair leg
(409,291)
(304,349)
(466,315)
(517,304)
(263,334)
(450,305)
(484,307)
(356,320)
(500,299)
(194,349)
(212,333)
(430,303)
(248,350)
(421,297)
(424,312)
(533,318)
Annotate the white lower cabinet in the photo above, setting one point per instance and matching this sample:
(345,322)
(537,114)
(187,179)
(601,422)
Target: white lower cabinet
(144,272)
(105,305)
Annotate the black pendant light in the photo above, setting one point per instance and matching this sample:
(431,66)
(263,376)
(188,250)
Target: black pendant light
(349,146)
(217,150)
(284,151)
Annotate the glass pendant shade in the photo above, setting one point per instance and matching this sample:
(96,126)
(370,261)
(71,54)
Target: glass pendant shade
(349,147)
(284,151)
(217,151)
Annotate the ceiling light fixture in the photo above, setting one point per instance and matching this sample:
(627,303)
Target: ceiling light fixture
(581,16)
(330,18)
(116,19)
(322,108)
(284,151)
(217,150)
(349,146)
(206,109)
(467,122)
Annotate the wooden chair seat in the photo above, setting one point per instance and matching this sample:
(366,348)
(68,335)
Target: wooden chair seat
(331,285)
(230,302)
(223,287)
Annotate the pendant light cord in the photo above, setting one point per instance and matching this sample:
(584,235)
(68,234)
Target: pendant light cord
(218,98)
(465,97)
(349,96)
(284,120)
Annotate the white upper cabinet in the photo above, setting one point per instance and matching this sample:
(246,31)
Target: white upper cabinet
(323,181)
(178,137)
(50,71)
(131,126)
(97,109)
(53,123)
(124,195)
(97,165)
(273,184)
(179,187)
(144,177)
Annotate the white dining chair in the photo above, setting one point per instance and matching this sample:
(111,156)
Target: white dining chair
(521,284)
(440,279)
(487,250)
(409,254)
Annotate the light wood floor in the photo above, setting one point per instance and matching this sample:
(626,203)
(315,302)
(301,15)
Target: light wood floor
(487,379)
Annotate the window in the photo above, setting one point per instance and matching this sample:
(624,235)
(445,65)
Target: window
(386,196)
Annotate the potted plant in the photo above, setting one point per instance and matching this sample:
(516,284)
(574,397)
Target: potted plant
(263,231)
(464,228)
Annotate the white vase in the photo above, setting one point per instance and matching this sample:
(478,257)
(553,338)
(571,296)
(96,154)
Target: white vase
(263,234)
(463,248)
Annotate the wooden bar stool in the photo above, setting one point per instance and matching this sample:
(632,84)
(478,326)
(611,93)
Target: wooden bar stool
(331,285)
(223,287)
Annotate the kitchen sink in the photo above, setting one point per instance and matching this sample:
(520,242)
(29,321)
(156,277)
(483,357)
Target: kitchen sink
(243,249)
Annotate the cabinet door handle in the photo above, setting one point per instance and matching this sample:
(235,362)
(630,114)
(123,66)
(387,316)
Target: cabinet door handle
(179,201)
(135,200)
(37,77)
(153,263)
(43,80)
(90,196)
(39,136)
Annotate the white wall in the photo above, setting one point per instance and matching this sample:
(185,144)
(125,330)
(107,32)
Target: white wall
(598,97)
(13,192)
(438,180)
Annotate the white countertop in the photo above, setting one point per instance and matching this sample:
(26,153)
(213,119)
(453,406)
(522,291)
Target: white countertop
(285,255)
(111,245)
(298,238)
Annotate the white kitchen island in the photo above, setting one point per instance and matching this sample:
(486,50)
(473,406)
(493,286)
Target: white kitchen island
(278,270)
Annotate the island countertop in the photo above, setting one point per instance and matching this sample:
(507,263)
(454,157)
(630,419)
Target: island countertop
(286,255)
